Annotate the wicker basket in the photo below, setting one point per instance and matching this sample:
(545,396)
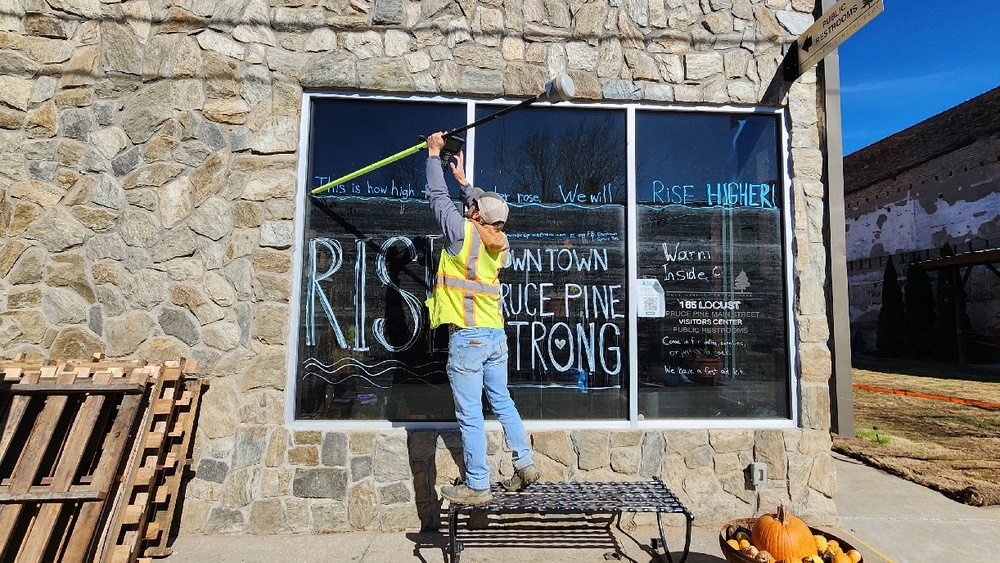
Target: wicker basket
(736,556)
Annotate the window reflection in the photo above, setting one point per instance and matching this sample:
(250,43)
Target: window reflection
(710,242)
(553,155)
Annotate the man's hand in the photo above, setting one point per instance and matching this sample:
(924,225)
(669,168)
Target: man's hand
(458,168)
(435,143)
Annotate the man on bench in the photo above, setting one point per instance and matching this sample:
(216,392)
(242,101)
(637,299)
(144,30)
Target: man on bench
(466,297)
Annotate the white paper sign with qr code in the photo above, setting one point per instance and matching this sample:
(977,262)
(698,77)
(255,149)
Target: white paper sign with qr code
(651,300)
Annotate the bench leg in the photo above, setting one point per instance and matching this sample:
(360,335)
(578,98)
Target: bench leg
(663,538)
(453,545)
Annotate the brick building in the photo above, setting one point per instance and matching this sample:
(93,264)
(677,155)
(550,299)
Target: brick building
(908,195)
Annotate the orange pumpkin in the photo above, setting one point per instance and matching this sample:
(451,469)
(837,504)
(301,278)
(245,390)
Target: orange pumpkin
(783,535)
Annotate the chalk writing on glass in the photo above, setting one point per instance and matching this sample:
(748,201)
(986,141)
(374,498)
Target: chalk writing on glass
(320,285)
(560,325)
(403,190)
(715,194)
(570,325)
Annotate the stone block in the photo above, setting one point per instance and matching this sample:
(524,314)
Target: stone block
(816,406)
(799,468)
(555,444)
(362,506)
(194,516)
(361,467)
(57,229)
(672,471)
(731,440)
(700,483)
(815,442)
(700,457)
(241,487)
(335,449)
(626,438)
(394,493)
(495,442)
(652,453)
(303,437)
(124,334)
(212,470)
(267,371)
(448,466)
(421,444)
(223,520)
(731,461)
(392,460)
(267,517)
(685,441)
(276,482)
(330,517)
(400,517)
(298,515)
(626,460)
(303,455)
(251,445)
(323,482)
(592,448)
(180,324)
(769,448)
(735,483)
(823,476)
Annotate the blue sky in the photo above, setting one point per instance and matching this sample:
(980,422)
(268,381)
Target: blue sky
(915,60)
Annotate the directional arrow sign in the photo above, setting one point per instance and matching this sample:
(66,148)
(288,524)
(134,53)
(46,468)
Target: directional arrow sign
(832,28)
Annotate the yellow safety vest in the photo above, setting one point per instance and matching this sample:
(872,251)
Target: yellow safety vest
(467,287)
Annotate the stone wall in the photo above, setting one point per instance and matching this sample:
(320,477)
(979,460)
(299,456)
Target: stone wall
(338,481)
(148,157)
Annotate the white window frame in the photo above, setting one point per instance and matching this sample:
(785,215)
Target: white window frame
(634,421)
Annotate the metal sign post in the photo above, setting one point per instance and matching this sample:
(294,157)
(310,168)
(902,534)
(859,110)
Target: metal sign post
(830,30)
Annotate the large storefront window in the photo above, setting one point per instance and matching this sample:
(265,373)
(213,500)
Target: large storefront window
(712,342)
(699,225)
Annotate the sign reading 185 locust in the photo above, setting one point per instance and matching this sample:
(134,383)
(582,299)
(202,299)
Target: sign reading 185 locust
(832,28)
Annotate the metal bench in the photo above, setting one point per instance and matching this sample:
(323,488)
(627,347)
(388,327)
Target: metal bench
(580,498)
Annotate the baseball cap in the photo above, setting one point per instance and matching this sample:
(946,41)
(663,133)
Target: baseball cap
(492,207)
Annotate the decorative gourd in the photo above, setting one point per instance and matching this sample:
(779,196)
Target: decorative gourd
(783,536)
(841,558)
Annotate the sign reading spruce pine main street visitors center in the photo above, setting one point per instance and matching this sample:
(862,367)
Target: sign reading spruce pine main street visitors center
(831,29)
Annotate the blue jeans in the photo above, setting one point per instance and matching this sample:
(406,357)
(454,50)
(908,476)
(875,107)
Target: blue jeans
(477,358)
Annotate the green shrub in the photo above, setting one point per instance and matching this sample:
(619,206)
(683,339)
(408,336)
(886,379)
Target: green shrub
(891,328)
(919,311)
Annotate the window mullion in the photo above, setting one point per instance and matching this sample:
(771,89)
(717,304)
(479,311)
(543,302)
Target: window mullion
(631,252)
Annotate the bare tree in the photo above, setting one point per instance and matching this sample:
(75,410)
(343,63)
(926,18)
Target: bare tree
(579,156)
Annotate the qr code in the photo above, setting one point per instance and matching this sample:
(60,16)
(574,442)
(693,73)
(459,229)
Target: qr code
(650,305)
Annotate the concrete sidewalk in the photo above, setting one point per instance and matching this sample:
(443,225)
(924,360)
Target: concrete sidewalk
(903,522)
(887,518)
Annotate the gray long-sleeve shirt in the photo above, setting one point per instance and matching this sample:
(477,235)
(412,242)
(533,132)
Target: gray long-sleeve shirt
(452,222)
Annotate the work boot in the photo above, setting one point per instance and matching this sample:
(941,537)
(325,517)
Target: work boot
(521,479)
(462,494)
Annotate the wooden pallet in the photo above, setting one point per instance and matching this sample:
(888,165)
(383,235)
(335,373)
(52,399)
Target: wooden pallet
(66,429)
(141,525)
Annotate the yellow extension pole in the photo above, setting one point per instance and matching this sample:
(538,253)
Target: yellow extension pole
(373,166)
